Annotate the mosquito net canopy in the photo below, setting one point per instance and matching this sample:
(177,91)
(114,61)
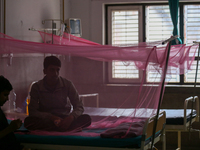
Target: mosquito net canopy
(146,56)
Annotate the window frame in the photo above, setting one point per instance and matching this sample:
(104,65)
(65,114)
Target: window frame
(143,38)
(109,40)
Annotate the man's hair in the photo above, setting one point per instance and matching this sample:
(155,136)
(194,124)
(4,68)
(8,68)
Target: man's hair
(51,60)
(5,84)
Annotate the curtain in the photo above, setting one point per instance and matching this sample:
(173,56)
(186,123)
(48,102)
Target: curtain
(173,6)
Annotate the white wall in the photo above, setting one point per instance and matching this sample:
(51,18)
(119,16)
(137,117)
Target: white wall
(24,14)
(20,15)
(90,13)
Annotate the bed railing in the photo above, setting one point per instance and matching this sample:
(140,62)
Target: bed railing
(194,99)
(148,130)
(83,96)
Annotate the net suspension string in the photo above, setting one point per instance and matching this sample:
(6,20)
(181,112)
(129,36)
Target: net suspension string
(169,41)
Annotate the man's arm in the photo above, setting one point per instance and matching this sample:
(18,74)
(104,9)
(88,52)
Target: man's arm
(34,104)
(77,107)
(75,101)
(15,124)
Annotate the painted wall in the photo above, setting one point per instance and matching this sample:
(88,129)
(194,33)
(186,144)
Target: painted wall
(20,15)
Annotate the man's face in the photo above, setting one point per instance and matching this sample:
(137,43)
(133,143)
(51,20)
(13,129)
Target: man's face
(52,72)
(4,97)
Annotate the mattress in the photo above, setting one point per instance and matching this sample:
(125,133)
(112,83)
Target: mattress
(134,142)
(79,140)
(173,116)
(31,137)
(176,116)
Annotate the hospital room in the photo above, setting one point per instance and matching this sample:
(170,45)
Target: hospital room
(132,64)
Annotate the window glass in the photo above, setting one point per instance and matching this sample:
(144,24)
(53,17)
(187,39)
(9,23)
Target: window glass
(192,33)
(158,23)
(124,28)
(191,23)
(190,75)
(159,27)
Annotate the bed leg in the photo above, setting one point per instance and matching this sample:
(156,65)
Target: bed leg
(164,141)
(179,140)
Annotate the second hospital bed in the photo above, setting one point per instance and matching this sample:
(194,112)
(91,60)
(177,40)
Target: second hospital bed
(177,120)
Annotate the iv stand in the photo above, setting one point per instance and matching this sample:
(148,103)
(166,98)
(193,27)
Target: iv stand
(163,84)
(52,20)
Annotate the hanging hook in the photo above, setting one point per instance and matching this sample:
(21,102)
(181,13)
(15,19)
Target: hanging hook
(10,56)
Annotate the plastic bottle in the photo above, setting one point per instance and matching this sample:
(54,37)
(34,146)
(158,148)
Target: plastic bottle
(27,103)
(12,101)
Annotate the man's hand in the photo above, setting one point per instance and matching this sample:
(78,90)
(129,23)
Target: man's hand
(15,124)
(66,122)
(56,120)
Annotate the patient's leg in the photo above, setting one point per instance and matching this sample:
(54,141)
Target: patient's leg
(82,121)
(35,123)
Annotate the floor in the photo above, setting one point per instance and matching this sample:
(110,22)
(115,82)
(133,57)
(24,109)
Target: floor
(189,141)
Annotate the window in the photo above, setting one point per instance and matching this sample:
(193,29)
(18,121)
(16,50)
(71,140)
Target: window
(158,23)
(125,26)
(192,33)
(158,27)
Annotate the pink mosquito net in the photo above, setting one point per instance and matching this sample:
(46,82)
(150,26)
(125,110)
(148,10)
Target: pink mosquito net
(144,97)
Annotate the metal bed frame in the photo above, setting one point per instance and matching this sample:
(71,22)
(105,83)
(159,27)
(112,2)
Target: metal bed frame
(147,133)
(187,124)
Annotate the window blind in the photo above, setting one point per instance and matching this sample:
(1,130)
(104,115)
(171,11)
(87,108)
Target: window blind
(192,33)
(125,30)
(159,27)
(158,23)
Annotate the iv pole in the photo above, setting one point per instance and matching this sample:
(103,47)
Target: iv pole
(195,83)
(52,24)
(169,41)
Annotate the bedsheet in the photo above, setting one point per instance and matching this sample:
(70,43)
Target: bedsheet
(31,139)
(25,136)
(176,116)
(79,140)
(173,116)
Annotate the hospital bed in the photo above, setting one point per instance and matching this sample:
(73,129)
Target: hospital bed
(180,120)
(177,120)
(73,142)
(142,142)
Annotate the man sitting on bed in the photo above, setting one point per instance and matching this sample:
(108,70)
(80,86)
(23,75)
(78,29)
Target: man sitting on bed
(51,100)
